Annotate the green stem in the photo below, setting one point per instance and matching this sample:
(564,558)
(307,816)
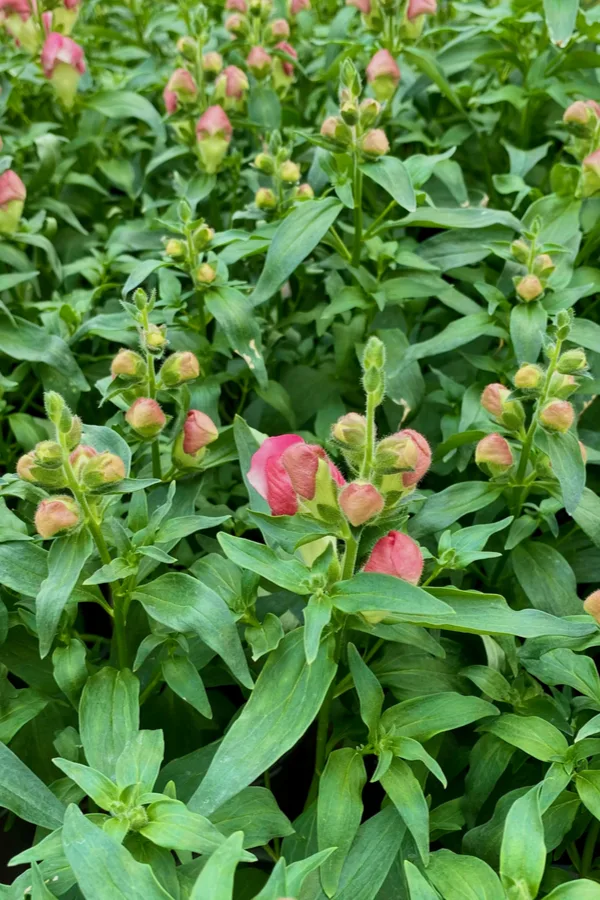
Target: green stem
(357,190)
(156,466)
(350,555)
(339,244)
(433,575)
(367,465)
(151,685)
(373,226)
(587,857)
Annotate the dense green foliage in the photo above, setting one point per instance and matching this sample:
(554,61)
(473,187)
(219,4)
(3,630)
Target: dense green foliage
(299,357)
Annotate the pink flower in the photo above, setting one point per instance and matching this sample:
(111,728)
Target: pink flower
(19,8)
(180,88)
(423,456)
(238,5)
(232,83)
(383,65)
(258,61)
(360,502)
(61,49)
(11,188)
(494,450)
(280,29)
(146,417)
(421,8)
(214,122)
(288,67)
(297,5)
(493,397)
(198,431)
(396,554)
(56,514)
(363,5)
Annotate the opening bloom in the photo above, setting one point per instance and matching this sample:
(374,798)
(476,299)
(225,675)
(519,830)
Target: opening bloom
(213,133)
(181,88)
(12,201)
(63,63)
(383,75)
(198,431)
(421,8)
(360,501)
(396,554)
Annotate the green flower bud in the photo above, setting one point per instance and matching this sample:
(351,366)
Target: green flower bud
(146,417)
(178,368)
(175,249)
(572,361)
(520,250)
(205,274)
(374,354)
(529,377)
(265,198)
(350,431)
(155,339)
(264,163)
(49,455)
(101,469)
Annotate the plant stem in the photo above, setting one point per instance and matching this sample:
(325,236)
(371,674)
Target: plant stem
(365,471)
(350,554)
(587,857)
(357,190)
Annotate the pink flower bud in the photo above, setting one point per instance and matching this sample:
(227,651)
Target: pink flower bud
(350,430)
(146,417)
(59,49)
(493,397)
(530,288)
(47,22)
(12,200)
(212,62)
(265,198)
(181,88)
(289,172)
(259,62)
(375,142)
(55,515)
(82,452)
(421,8)
(396,554)
(304,192)
(494,450)
(280,30)
(268,476)
(363,5)
(577,113)
(423,456)
(558,415)
(328,128)
(238,5)
(235,24)
(198,431)
(383,75)
(19,8)
(301,462)
(178,368)
(592,605)
(128,364)
(360,502)
(528,377)
(297,5)
(213,132)
(205,274)
(231,84)
(591,173)
(101,469)
(288,67)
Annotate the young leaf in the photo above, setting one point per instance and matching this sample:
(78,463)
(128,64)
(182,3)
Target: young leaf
(290,574)
(140,760)
(108,717)
(370,693)
(65,562)
(421,718)
(403,789)
(457,877)
(419,887)
(184,679)
(390,173)
(339,811)
(215,881)
(101,789)
(531,734)
(173,826)
(24,794)
(523,852)
(527,329)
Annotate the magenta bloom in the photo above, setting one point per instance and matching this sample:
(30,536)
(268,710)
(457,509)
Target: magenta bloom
(212,122)
(19,8)
(11,188)
(383,65)
(396,554)
(61,49)
(288,67)
(421,8)
(180,88)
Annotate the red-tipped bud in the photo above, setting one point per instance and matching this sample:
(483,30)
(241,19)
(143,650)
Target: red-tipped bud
(351,431)
(101,469)
(80,456)
(360,502)
(421,8)
(592,605)
(529,377)
(237,5)
(146,417)
(543,265)
(493,399)
(289,172)
(181,88)
(212,62)
(577,114)
(178,368)
(12,199)
(591,174)
(494,451)
(329,126)
(383,75)
(375,142)
(213,133)
(558,415)
(56,515)
(396,554)
(363,5)
(286,65)
(198,431)
(231,86)
(297,5)
(304,192)
(396,453)
(529,288)
(259,62)
(63,63)
(265,198)
(235,24)
(280,30)
(128,364)
(423,456)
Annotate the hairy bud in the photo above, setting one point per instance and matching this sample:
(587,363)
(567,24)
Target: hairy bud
(375,142)
(49,454)
(175,249)
(572,361)
(101,469)
(591,605)
(146,417)
(128,364)
(396,453)
(529,288)
(383,75)
(198,431)
(398,555)
(289,172)
(493,398)
(155,338)
(494,452)
(350,431)
(529,377)
(178,368)
(520,251)
(56,515)
(205,274)
(264,162)
(543,265)
(212,62)
(360,502)
(259,62)
(304,192)
(558,415)
(265,198)
(25,464)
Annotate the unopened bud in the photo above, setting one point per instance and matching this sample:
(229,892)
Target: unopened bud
(493,398)
(374,354)
(398,555)
(212,62)
(155,338)
(49,454)
(103,468)
(236,24)
(24,466)
(279,30)
(80,456)
(529,288)
(304,192)
(543,265)
(558,415)
(187,47)
(56,515)
(369,111)
(494,452)
(375,142)
(289,172)
(54,405)
(205,274)
(350,431)
(259,62)
(591,174)
(329,127)
(396,453)
(198,431)
(529,377)
(520,250)
(73,435)
(383,75)
(140,298)
(264,162)
(146,417)
(360,502)
(349,112)
(175,249)
(178,368)
(592,605)
(572,361)
(183,460)
(128,364)
(562,386)
(202,236)
(265,198)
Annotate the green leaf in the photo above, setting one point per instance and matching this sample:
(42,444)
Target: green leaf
(587,515)
(563,666)
(317,615)
(101,789)
(403,789)
(339,811)
(183,603)
(102,438)
(421,718)
(580,889)
(104,869)
(70,669)
(24,794)
(371,856)
(370,693)
(407,748)
(419,887)
(294,240)
(66,559)
(108,717)
(20,707)
(455,217)
(215,881)
(39,891)
(527,329)
(25,341)
(394,597)
(456,334)
(290,574)
(390,173)
(533,735)
(140,760)
(588,788)
(463,877)
(287,697)
(428,64)
(173,826)
(561,16)
(546,577)
(127,105)
(443,509)
(523,851)
(235,314)
(184,679)
(12,280)
(113,571)
(567,464)
(255,812)
(182,526)
(264,107)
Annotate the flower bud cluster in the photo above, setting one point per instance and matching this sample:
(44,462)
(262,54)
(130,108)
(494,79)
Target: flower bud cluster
(280,175)
(582,119)
(409,14)
(539,267)
(353,129)
(190,250)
